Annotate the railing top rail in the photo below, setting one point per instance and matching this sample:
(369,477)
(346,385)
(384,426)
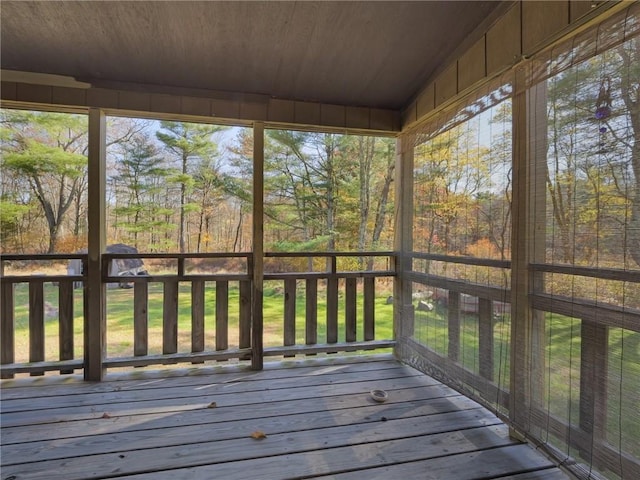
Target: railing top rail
(594,272)
(179,255)
(483,262)
(7,257)
(331,254)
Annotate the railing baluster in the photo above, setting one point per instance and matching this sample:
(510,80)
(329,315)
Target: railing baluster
(350,310)
(369,308)
(222,315)
(485,340)
(289,333)
(140,318)
(170,317)
(197,315)
(7,355)
(453,319)
(593,382)
(36,323)
(290,311)
(65,321)
(245,314)
(311,312)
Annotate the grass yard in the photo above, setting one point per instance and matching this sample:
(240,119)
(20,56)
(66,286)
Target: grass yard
(120,318)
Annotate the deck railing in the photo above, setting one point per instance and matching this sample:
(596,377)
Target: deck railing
(39,312)
(343,330)
(191,308)
(194,276)
(485,370)
(472,320)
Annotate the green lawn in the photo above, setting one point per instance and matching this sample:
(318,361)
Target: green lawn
(120,319)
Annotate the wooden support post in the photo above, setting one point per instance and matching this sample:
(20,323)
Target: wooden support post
(257,345)
(95,305)
(528,233)
(403,313)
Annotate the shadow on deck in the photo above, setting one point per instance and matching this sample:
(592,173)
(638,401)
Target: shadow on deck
(197,423)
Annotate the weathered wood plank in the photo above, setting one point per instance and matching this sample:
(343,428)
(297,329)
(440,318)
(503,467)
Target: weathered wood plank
(320,461)
(289,332)
(408,415)
(140,318)
(491,462)
(117,380)
(311,311)
(36,323)
(197,315)
(65,322)
(345,409)
(328,348)
(552,473)
(170,317)
(288,386)
(7,352)
(427,440)
(244,321)
(369,309)
(194,377)
(350,310)
(200,399)
(222,315)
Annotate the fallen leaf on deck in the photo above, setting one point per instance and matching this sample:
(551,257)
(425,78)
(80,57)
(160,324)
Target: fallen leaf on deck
(258,435)
(105,415)
(212,405)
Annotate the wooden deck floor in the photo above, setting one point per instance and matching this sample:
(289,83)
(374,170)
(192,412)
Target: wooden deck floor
(317,415)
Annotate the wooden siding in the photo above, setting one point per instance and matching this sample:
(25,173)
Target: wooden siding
(317,416)
(524,29)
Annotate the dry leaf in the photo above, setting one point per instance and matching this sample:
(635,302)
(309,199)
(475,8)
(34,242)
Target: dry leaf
(105,415)
(258,435)
(212,405)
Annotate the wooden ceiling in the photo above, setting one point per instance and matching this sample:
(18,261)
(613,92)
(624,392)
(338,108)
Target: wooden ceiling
(372,54)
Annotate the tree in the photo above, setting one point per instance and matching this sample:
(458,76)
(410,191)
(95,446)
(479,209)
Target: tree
(49,151)
(139,174)
(187,142)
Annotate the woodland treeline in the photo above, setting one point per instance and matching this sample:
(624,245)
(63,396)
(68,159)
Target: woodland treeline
(186,187)
(585,170)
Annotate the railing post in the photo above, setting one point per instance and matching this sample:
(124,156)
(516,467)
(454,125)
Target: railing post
(95,312)
(257,347)
(403,241)
(528,231)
